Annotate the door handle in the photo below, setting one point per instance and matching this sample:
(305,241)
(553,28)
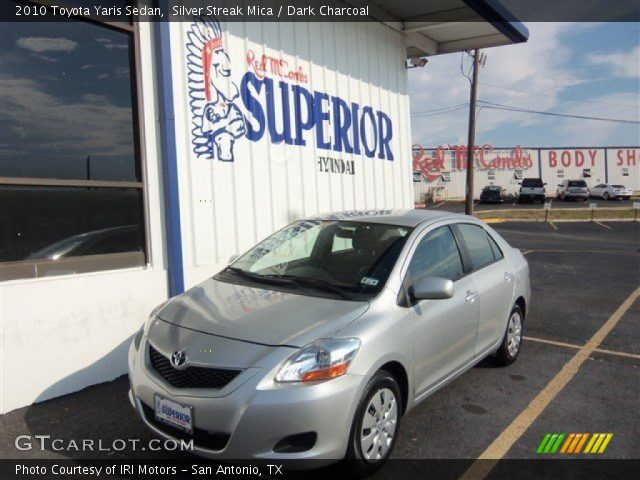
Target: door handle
(507,276)
(471,296)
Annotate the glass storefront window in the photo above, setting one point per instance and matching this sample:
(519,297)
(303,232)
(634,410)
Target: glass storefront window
(70,169)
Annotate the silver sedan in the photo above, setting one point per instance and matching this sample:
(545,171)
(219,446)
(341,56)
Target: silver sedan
(315,343)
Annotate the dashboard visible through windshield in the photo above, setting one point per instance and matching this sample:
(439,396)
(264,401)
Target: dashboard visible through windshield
(343,259)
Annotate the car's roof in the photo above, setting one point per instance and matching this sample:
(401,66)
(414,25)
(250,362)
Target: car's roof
(403,217)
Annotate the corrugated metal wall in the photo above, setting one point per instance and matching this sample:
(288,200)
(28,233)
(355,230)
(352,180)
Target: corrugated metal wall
(619,165)
(624,167)
(226,206)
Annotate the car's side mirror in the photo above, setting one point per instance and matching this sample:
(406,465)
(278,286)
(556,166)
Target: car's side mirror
(544,183)
(432,288)
(233,258)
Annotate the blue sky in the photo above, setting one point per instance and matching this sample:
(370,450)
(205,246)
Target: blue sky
(588,69)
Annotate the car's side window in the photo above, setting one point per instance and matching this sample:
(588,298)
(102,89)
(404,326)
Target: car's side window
(477,242)
(497,253)
(437,255)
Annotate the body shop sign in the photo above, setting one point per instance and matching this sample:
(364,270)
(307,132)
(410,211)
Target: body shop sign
(271,100)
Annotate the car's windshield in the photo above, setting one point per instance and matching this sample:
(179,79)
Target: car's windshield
(617,186)
(492,188)
(577,183)
(331,258)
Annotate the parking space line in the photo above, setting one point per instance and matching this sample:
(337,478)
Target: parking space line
(603,225)
(578,347)
(527,252)
(480,468)
(553,225)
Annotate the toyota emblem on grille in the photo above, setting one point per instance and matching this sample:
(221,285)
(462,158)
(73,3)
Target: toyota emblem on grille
(178,359)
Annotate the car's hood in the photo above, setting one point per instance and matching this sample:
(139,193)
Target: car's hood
(258,315)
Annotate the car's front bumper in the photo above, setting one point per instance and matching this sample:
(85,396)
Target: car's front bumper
(257,414)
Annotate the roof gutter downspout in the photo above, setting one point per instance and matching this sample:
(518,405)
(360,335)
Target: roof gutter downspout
(169,155)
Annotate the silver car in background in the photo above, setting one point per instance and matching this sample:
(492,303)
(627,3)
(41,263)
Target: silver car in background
(610,191)
(315,343)
(573,189)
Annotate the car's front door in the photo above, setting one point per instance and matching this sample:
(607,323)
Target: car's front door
(444,331)
(494,279)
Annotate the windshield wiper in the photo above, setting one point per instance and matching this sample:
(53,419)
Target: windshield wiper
(269,279)
(314,283)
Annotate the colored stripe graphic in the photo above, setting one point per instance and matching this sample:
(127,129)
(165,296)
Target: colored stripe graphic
(573,443)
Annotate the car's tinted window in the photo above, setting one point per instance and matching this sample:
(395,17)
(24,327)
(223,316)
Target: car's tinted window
(478,245)
(497,253)
(617,186)
(577,183)
(532,182)
(437,255)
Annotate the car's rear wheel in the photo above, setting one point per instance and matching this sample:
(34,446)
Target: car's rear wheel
(375,425)
(512,340)
(606,196)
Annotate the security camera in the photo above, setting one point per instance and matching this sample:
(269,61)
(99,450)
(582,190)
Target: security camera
(419,61)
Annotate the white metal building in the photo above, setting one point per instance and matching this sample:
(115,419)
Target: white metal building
(440,173)
(162,149)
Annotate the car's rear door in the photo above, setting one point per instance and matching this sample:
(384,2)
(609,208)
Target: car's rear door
(493,276)
(443,330)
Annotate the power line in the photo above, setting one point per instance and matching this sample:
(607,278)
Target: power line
(510,108)
(555,96)
(440,111)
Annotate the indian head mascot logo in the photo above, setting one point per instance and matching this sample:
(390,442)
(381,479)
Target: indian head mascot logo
(217,122)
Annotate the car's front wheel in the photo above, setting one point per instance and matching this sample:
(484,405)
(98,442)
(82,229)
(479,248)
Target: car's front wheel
(375,425)
(512,340)
(606,196)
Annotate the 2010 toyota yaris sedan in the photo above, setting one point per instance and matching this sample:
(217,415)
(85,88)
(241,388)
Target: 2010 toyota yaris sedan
(315,343)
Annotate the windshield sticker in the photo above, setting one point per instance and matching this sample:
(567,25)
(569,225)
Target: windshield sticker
(369,281)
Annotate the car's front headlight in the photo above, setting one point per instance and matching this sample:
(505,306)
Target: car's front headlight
(320,360)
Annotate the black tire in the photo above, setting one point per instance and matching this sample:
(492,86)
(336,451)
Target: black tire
(503,356)
(606,196)
(355,461)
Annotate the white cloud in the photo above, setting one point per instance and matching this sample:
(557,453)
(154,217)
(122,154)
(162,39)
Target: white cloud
(543,66)
(71,128)
(46,44)
(622,64)
(591,132)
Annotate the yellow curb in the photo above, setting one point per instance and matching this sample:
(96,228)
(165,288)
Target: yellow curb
(493,220)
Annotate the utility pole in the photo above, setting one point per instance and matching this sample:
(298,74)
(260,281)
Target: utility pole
(471,141)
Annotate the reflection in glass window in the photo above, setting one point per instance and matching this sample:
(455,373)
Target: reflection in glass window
(437,255)
(67,102)
(53,223)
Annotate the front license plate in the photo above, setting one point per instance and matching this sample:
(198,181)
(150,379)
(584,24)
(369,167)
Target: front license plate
(174,414)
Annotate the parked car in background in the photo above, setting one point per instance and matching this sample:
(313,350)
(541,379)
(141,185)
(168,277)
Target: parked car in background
(492,194)
(314,343)
(610,191)
(532,189)
(573,190)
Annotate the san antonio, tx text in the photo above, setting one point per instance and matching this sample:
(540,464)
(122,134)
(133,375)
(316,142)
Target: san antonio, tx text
(262,11)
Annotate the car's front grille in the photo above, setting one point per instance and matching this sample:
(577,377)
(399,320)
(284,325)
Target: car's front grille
(190,377)
(201,438)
